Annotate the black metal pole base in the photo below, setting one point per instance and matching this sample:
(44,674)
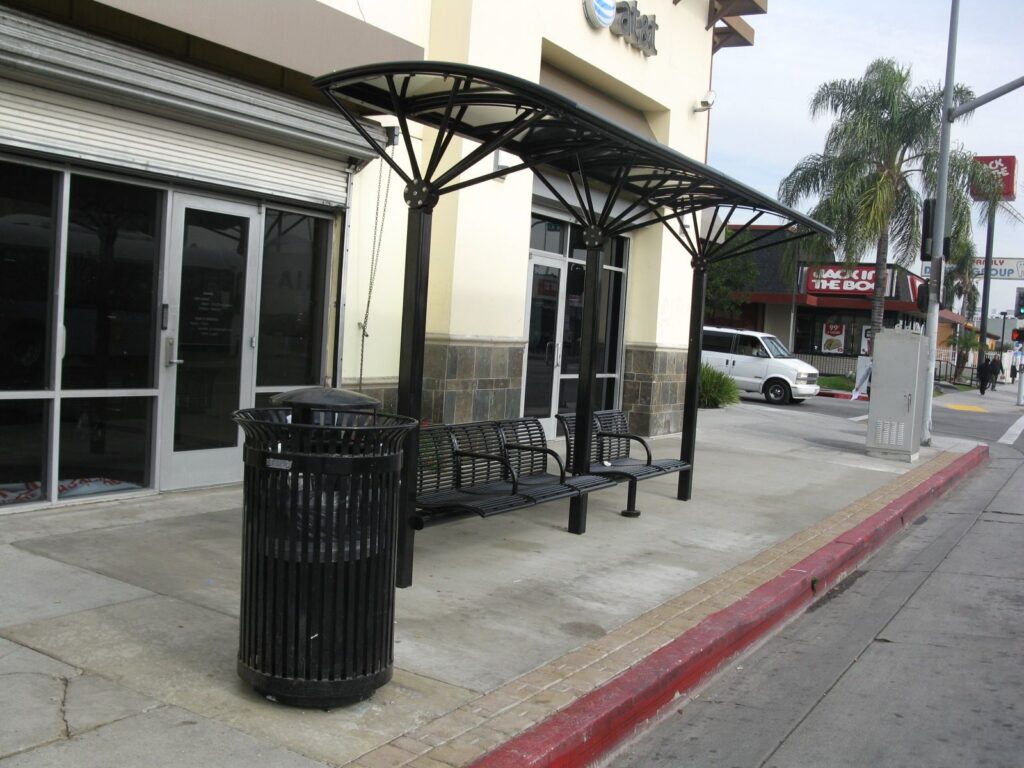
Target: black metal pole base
(631,510)
(318,694)
(684,491)
(578,515)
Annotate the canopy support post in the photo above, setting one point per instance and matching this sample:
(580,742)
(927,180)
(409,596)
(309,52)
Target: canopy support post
(688,449)
(595,240)
(421,201)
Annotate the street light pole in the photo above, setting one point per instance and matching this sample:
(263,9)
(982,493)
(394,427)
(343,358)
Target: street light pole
(939,225)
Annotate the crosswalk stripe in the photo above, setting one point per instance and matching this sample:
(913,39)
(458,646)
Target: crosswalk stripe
(1011,435)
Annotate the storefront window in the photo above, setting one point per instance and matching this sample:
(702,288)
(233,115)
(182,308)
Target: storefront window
(23,429)
(547,235)
(292,295)
(104,445)
(830,333)
(110,295)
(26,275)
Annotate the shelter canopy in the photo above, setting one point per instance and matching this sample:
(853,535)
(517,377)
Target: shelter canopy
(645,182)
(610,179)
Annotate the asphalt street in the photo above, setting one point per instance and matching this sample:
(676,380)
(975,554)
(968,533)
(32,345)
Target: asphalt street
(914,660)
(953,413)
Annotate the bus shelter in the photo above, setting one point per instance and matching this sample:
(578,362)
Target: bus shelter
(609,179)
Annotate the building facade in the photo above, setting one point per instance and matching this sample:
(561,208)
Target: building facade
(187,227)
(822,310)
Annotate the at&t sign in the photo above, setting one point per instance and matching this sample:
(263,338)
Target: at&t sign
(624,20)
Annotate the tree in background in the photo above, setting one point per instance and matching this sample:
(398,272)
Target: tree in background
(882,146)
(964,341)
(728,287)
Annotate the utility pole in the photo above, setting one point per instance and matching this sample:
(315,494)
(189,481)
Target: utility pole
(941,194)
(939,225)
(986,279)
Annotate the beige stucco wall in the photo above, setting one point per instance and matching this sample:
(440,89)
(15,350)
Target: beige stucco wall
(488,296)
(371,197)
(776,320)
(408,19)
(479,249)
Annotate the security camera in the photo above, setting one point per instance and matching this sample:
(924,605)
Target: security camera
(706,102)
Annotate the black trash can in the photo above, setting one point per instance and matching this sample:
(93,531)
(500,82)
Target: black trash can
(322,489)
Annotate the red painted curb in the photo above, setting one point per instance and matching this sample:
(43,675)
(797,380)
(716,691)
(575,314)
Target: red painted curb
(841,395)
(593,725)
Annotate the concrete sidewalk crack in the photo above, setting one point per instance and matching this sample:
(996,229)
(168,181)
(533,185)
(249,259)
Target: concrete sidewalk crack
(63,707)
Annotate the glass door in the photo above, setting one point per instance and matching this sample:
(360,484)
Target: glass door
(555,321)
(208,346)
(544,345)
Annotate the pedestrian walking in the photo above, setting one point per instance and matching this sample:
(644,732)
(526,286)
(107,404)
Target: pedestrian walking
(995,370)
(1013,373)
(983,374)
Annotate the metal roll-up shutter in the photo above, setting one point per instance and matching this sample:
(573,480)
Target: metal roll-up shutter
(52,123)
(66,93)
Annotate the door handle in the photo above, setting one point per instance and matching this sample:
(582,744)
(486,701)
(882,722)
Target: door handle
(547,353)
(170,361)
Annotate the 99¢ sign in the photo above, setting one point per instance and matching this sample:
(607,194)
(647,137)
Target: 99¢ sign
(833,338)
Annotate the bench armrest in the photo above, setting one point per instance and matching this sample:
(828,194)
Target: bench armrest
(630,436)
(488,457)
(535,449)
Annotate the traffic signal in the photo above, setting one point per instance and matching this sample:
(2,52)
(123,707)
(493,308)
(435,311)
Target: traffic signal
(1015,335)
(1018,309)
(927,225)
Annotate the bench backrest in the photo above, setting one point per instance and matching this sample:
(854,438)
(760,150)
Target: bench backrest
(612,447)
(605,449)
(526,431)
(567,422)
(480,437)
(436,465)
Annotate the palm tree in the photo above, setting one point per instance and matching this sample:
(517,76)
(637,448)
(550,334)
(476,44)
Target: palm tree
(883,145)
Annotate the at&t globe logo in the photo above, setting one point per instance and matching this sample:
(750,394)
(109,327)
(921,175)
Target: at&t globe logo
(600,13)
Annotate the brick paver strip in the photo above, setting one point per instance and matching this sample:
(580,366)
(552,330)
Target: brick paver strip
(573,709)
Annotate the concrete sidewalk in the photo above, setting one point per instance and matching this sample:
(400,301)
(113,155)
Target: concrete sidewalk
(119,619)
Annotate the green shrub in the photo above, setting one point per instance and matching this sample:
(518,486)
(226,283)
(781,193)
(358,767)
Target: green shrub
(717,389)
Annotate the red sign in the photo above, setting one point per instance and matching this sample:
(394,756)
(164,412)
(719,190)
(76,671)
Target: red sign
(1006,167)
(915,286)
(859,281)
(833,338)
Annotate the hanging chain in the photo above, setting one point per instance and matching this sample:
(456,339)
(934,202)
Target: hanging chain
(378,236)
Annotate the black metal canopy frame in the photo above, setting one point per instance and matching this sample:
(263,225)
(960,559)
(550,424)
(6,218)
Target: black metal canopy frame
(612,182)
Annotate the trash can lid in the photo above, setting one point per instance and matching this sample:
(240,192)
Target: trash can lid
(327,398)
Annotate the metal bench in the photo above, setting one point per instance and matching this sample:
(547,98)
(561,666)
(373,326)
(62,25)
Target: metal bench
(528,452)
(476,469)
(610,455)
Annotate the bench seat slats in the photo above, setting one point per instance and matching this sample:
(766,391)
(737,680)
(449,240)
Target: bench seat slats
(610,456)
(470,468)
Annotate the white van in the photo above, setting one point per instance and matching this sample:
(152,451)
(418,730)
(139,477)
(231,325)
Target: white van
(759,362)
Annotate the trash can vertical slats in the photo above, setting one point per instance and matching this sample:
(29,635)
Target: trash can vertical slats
(321,501)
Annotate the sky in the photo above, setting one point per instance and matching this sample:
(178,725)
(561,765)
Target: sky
(761,124)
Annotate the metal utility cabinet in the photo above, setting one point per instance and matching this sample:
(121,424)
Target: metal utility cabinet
(896,412)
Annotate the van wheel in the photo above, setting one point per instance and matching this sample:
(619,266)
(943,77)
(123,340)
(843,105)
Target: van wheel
(777,392)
